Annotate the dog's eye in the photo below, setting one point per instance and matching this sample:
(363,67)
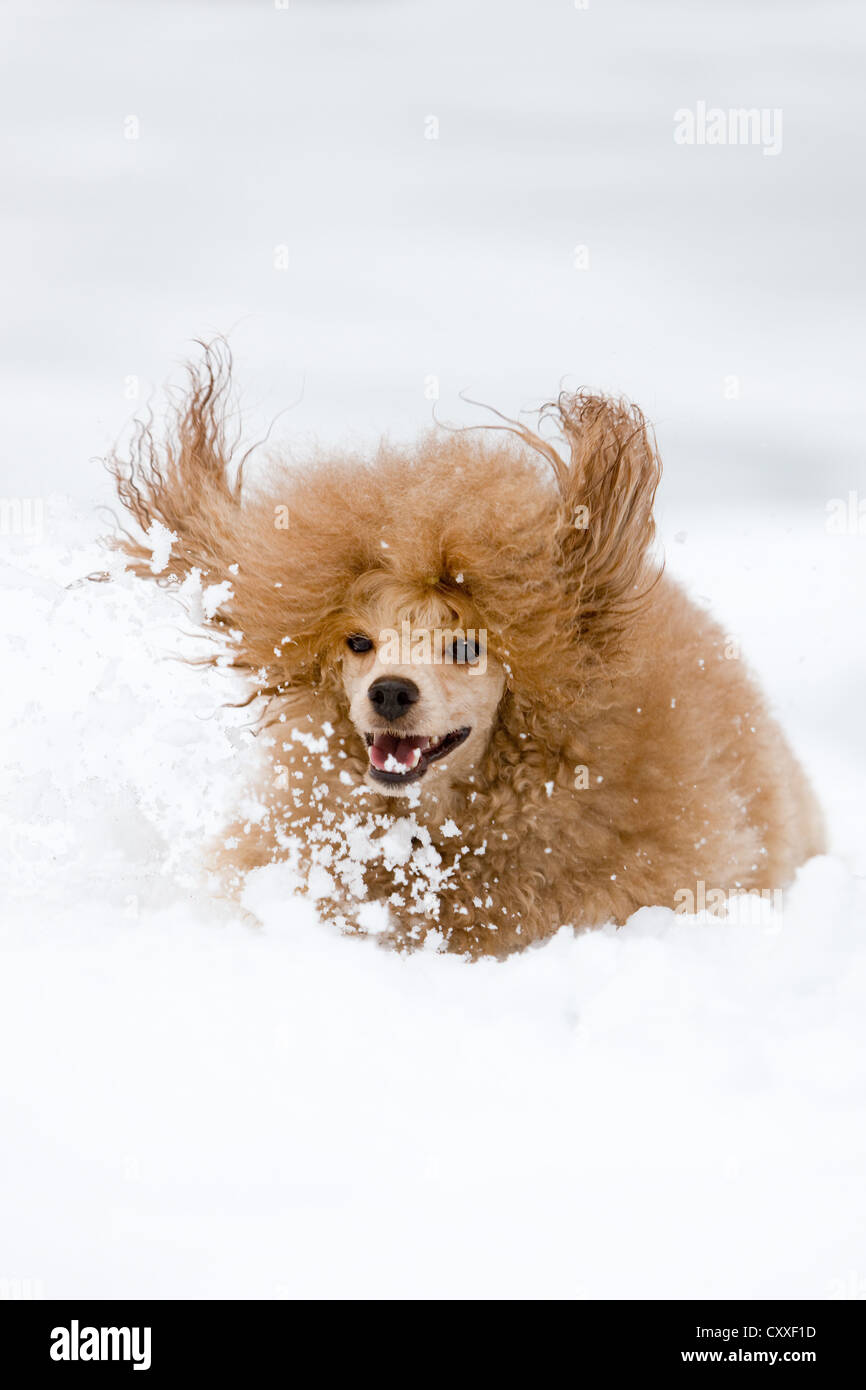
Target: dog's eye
(358,642)
(463,653)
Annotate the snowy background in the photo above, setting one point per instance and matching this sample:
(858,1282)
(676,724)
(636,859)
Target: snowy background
(190,1106)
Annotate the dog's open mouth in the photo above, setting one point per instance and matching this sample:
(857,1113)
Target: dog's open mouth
(406,757)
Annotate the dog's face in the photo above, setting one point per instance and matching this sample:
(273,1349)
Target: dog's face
(423,692)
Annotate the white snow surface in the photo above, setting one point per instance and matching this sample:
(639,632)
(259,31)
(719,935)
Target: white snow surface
(193,1105)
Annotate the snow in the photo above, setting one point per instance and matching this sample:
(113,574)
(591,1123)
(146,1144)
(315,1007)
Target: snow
(195,1105)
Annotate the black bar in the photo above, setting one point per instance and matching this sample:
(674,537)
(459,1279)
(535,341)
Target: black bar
(232,1339)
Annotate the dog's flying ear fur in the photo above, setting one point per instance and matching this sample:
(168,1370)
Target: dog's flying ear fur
(185,481)
(608,489)
(607,470)
(607,484)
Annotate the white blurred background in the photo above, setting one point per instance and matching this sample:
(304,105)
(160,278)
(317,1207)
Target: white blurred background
(177,169)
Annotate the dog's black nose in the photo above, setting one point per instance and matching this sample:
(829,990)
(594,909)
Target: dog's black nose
(392,696)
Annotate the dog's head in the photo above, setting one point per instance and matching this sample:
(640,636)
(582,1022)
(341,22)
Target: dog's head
(424,597)
(421,685)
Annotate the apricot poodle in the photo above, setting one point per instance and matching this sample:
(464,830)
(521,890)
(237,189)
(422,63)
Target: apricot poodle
(485,710)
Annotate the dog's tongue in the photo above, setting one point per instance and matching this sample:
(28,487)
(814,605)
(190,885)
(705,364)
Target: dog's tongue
(385,746)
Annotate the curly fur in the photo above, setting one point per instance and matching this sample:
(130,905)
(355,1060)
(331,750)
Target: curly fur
(628,758)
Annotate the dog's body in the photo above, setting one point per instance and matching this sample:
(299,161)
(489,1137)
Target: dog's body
(588,749)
